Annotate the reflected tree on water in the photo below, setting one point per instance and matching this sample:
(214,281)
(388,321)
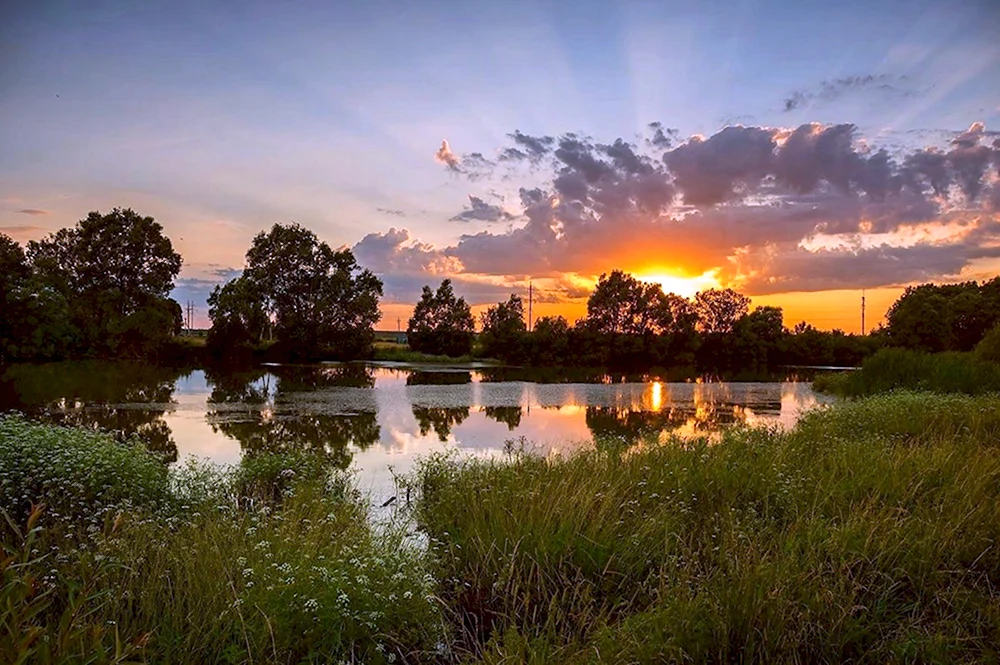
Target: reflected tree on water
(126,399)
(328,435)
(438,378)
(439,419)
(508,415)
(247,409)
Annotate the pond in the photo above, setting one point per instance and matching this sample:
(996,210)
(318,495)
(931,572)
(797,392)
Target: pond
(378,418)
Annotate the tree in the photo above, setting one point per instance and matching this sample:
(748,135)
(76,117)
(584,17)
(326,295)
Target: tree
(628,317)
(719,309)
(238,315)
(550,342)
(14,272)
(116,272)
(319,302)
(623,305)
(441,323)
(504,330)
(757,338)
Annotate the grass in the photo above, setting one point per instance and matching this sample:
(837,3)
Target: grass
(868,534)
(393,352)
(273,561)
(903,369)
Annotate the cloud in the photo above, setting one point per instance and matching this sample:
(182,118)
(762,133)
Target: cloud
(745,201)
(445,156)
(480,210)
(710,171)
(832,89)
(391,211)
(33,211)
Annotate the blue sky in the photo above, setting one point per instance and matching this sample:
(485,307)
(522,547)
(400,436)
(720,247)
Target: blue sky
(221,118)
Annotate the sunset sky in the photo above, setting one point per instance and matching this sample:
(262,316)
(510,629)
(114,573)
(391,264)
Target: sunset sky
(797,151)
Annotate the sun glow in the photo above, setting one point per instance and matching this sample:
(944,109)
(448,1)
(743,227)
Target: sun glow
(679,284)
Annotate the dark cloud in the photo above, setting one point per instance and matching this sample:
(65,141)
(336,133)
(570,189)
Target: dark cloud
(708,171)
(480,210)
(833,89)
(226,274)
(33,212)
(662,137)
(391,211)
(534,147)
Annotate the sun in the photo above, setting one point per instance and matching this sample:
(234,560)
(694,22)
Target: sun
(684,286)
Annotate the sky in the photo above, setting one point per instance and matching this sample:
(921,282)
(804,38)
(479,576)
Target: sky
(800,152)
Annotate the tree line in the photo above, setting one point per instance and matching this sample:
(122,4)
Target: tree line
(101,289)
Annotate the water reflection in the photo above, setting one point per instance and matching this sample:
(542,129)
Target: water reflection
(126,399)
(264,410)
(376,416)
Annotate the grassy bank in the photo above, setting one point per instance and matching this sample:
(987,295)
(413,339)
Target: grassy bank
(869,534)
(903,369)
(107,557)
(392,352)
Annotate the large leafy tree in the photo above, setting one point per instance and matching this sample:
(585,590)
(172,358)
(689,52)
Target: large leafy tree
(629,319)
(624,305)
(943,317)
(114,272)
(314,300)
(504,331)
(719,309)
(441,323)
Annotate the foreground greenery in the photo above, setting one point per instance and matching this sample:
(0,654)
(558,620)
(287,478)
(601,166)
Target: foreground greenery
(867,534)
(107,557)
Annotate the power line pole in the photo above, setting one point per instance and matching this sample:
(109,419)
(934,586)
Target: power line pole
(863,311)
(531,297)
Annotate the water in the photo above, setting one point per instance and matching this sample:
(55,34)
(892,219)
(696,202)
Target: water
(378,418)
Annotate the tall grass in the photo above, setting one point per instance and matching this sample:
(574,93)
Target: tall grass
(895,369)
(868,534)
(273,561)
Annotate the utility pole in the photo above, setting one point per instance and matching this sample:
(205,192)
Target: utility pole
(531,295)
(399,325)
(862,311)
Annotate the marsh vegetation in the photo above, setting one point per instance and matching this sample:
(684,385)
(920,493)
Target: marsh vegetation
(867,533)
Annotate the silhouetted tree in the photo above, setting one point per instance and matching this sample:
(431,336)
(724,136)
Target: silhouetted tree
(320,302)
(114,273)
(503,334)
(550,342)
(441,323)
(719,309)
(945,317)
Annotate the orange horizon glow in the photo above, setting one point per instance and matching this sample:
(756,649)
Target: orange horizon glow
(824,310)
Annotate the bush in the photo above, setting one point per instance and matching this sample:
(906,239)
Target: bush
(988,350)
(902,369)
